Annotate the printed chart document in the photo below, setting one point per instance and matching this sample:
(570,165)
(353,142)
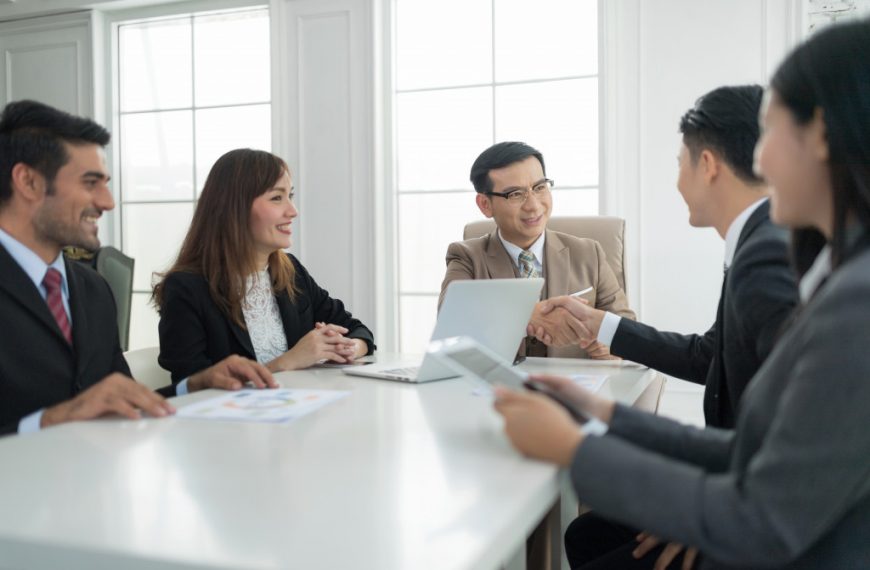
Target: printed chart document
(592,382)
(273,406)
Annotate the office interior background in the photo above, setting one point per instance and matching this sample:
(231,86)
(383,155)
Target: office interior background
(380,107)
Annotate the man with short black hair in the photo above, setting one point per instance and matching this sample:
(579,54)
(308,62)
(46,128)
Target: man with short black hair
(513,189)
(60,357)
(759,292)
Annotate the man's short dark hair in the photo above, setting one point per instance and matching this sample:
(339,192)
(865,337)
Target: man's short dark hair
(725,121)
(34,133)
(500,155)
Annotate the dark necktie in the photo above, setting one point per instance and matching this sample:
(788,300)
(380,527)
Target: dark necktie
(53,297)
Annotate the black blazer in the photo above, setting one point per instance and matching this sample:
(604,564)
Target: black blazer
(195,334)
(37,367)
(759,292)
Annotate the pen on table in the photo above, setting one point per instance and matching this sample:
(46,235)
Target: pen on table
(583,292)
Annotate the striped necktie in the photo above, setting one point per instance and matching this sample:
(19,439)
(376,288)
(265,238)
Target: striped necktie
(527,264)
(53,297)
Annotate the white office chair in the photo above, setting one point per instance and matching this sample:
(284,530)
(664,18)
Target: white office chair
(144,367)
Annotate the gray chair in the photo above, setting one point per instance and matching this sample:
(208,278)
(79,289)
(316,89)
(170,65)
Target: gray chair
(607,230)
(117,269)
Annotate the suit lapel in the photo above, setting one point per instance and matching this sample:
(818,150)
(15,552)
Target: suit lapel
(244,339)
(498,261)
(80,324)
(556,266)
(19,286)
(761,213)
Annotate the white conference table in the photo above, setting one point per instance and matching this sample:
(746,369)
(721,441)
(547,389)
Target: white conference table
(393,476)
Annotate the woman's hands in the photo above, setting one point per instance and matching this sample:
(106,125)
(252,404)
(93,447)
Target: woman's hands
(539,427)
(323,342)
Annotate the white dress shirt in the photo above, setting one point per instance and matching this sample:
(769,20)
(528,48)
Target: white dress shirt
(537,249)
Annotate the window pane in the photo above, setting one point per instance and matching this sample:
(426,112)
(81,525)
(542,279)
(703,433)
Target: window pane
(157,156)
(583,202)
(232,58)
(416,322)
(220,130)
(560,119)
(428,223)
(154,61)
(440,133)
(152,236)
(143,322)
(552,38)
(445,43)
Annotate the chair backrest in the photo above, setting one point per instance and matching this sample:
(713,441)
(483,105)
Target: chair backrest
(651,397)
(117,269)
(609,231)
(145,369)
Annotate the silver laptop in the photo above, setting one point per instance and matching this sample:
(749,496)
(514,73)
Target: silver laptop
(494,312)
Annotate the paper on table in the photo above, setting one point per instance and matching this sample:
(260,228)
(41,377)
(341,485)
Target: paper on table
(592,382)
(274,406)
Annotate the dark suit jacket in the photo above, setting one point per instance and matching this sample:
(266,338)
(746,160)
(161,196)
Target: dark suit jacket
(37,367)
(758,294)
(195,334)
(789,487)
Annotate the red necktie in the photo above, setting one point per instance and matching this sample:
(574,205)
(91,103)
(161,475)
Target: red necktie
(51,282)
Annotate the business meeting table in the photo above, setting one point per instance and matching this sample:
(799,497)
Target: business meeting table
(392,476)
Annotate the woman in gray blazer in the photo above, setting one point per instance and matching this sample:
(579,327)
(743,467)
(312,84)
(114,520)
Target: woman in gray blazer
(789,487)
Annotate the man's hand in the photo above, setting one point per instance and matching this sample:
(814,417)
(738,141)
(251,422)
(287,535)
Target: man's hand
(565,320)
(114,394)
(647,542)
(596,350)
(537,426)
(232,373)
(554,327)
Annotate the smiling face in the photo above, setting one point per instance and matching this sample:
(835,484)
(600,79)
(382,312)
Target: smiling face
(793,158)
(693,187)
(271,215)
(75,200)
(522,224)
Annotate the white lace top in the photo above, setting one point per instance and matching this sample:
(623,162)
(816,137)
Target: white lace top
(260,310)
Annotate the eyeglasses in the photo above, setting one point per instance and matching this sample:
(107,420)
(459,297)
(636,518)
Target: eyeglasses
(519,196)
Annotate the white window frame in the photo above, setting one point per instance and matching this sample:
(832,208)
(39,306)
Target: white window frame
(388,291)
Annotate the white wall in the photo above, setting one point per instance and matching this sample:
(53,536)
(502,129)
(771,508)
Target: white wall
(660,56)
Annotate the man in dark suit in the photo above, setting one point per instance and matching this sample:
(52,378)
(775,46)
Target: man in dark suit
(759,289)
(60,357)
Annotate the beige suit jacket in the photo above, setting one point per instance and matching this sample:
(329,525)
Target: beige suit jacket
(570,264)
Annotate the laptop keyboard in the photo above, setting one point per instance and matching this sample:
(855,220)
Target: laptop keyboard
(407,372)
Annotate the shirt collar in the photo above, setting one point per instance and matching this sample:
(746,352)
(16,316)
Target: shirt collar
(32,264)
(536,248)
(817,273)
(732,236)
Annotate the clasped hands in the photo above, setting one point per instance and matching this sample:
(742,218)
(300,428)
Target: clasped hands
(566,320)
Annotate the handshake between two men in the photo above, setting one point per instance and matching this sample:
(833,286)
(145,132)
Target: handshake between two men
(569,320)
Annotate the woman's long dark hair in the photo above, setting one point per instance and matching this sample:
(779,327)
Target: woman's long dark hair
(219,245)
(831,72)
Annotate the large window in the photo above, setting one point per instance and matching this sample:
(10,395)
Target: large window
(469,73)
(188,89)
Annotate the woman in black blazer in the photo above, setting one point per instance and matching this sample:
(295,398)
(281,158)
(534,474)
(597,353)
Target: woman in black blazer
(233,290)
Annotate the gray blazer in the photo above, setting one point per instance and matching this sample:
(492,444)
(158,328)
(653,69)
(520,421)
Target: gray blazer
(789,487)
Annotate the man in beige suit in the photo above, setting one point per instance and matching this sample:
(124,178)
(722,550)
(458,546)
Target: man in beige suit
(512,188)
